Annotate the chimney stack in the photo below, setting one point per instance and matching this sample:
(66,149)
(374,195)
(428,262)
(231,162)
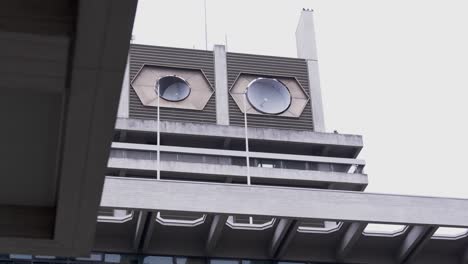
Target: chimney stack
(307,49)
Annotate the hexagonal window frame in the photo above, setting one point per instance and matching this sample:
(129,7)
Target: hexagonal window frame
(145,81)
(299,97)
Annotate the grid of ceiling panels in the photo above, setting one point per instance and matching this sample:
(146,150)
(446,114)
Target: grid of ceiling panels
(250,243)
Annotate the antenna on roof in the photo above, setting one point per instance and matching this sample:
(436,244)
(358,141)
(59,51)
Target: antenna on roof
(206,30)
(226,41)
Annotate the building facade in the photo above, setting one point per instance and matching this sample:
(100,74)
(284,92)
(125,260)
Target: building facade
(224,158)
(209,124)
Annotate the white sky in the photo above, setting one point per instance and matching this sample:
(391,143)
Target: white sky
(395,72)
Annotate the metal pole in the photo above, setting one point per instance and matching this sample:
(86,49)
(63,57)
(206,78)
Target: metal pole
(247,155)
(206,30)
(158,141)
(226,41)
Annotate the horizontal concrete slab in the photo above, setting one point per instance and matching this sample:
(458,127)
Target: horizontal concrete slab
(237,153)
(269,134)
(283,202)
(273,176)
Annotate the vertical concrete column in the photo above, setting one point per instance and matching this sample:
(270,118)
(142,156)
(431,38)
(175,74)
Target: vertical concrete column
(123,111)
(221,84)
(307,49)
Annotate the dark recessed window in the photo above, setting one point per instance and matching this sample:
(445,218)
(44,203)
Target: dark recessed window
(268,96)
(173,88)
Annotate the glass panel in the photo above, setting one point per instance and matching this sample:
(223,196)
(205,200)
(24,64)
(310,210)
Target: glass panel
(245,261)
(190,261)
(297,165)
(268,163)
(384,229)
(20,256)
(112,258)
(313,223)
(130,259)
(157,260)
(241,219)
(181,216)
(92,257)
(44,257)
(268,96)
(451,232)
(224,261)
(173,88)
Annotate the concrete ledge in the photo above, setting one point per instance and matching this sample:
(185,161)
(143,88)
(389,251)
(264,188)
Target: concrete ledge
(236,153)
(280,135)
(273,176)
(297,203)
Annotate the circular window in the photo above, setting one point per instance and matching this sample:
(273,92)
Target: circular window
(173,88)
(268,96)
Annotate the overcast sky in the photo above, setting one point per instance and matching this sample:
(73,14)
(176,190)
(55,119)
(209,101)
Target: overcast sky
(395,72)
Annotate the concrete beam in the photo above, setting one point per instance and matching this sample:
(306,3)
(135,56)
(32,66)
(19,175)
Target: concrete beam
(150,226)
(234,132)
(221,84)
(140,226)
(278,236)
(282,237)
(415,239)
(295,203)
(96,72)
(350,238)
(124,103)
(216,229)
(93,67)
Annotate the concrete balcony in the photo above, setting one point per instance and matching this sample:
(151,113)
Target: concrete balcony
(204,155)
(232,137)
(216,165)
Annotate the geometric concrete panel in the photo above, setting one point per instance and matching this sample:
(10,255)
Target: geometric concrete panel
(299,97)
(146,79)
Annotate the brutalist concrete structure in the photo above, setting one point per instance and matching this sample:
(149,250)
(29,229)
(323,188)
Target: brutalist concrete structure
(224,158)
(243,169)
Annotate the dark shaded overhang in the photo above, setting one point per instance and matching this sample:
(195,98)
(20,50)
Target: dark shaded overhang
(61,70)
(416,244)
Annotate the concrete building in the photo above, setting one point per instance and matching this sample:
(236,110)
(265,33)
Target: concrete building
(224,158)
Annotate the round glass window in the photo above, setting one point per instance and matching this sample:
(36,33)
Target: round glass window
(173,88)
(268,96)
